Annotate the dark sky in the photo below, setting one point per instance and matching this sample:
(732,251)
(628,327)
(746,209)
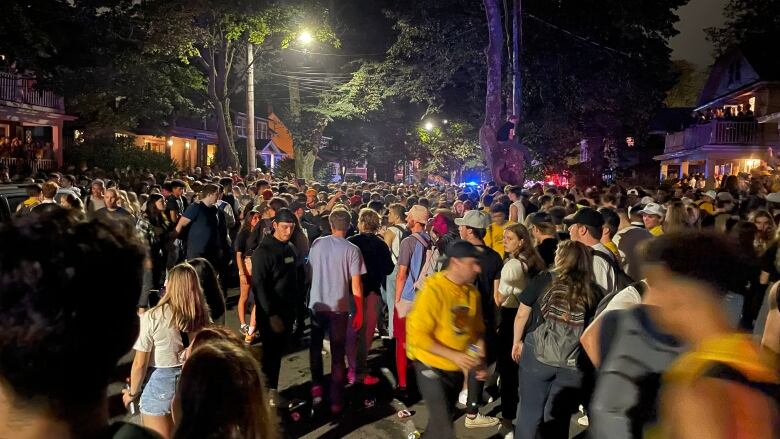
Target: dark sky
(691,43)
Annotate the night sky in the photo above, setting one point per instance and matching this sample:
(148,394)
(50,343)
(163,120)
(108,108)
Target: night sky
(691,44)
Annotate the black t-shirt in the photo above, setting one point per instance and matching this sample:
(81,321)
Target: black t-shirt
(503,133)
(491,265)
(376,256)
(126,430)
(768,263)
(175,204)
(547,249)
(241,240)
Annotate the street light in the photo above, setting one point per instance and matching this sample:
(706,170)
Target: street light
(428,126)
(305,37)
(445,121)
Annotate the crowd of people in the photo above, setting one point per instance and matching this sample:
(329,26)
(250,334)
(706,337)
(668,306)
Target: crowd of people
(627,309)
(14,147)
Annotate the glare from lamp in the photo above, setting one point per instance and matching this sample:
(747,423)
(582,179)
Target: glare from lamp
(170,142)
(305,37)
(428,126)
(186,145)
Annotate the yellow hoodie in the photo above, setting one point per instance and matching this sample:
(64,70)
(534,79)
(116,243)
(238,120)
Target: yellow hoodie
(444,312)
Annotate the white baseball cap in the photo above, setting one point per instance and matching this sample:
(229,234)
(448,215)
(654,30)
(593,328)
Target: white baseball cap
(475,219)
(632,192)
(653,209)
(647,200)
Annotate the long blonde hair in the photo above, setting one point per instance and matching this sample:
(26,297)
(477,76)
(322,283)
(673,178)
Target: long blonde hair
(184,297)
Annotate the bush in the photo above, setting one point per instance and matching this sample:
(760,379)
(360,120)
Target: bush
(285,169)
(111,152)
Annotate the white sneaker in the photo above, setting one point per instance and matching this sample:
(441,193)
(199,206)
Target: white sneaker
(583,421)
(481,420)
(463,397)
(510,435)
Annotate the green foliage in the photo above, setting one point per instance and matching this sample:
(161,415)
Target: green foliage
(119,153)
(690,81)
(285,169)
(448,148)
(750,23)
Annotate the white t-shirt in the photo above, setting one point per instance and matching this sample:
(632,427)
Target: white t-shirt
(603,274)
(160,336)
(514,277)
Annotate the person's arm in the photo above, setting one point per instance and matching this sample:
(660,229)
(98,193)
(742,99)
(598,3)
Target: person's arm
(590,342)
(763,279)
(389,237)
(521,319)
(137,375)
(183,222)
(513,212)
(771,338)
(261,268)
(497,297)
(696,411)
(357,294)
(400,281)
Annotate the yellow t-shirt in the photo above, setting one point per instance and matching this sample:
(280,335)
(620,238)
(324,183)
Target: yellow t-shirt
(494,237)
(444,312)
(657,231)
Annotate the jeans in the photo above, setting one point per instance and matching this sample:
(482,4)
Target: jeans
(157,396)
(359,342)
(439,389)
(389,297)
(335,323)
(549,396)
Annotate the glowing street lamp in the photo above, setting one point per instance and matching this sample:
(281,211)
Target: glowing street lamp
(428,126)
(445,121)
(305,37)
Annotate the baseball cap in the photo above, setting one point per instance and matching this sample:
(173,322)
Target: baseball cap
(632,192)
(461,249)
(539,218)
(585,216)
(711,194)
(774,197)
(647,200)
(476,219)
(356,200)
(725,196)
(419,214)
(653,209)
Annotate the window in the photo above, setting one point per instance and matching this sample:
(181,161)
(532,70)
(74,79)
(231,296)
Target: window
(261,131)
(240,126)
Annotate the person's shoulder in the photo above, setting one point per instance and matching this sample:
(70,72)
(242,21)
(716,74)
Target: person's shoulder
(126,430)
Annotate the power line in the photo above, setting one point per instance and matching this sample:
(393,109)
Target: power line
(352,55)
(581,38)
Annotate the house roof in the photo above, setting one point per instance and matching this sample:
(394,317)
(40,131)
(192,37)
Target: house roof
(268,146)
(669,120)
(281,135)
(759,65)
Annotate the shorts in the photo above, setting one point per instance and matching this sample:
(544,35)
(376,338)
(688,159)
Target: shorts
(157,396)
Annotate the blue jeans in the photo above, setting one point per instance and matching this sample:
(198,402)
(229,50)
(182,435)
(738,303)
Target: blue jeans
(335,324)
(549,396)
(157,395)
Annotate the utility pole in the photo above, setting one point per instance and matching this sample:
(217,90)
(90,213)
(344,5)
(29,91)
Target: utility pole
(251,153)
(517,37)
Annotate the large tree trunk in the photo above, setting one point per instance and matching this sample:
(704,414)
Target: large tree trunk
(217,68)
(306,154)
(493,53)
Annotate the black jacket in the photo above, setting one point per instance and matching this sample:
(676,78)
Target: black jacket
(275,277)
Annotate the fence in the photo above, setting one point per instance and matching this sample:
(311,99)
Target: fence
(16,88)
(714,133)
(16,164)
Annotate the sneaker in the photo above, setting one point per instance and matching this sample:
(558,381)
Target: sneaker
(244,329)
(316,394)
(510,435)
(480,421)
(370,380)
(249,338)
(463,397)
(583,421)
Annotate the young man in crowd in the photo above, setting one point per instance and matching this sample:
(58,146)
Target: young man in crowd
(445,336)
(175,205)
(494,234)
(112,212)
(337,267)
(631,232)
(609,229)
(653,217)
(472,228)
(34,197)
(394,233)
(276,282)
(53,383)
(543,232)
(94,200)
(586,226)
(206,228)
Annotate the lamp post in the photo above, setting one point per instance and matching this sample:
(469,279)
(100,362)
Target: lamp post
(251,154)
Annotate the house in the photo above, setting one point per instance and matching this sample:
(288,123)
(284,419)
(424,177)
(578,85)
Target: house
(193,142)
(33,117)
(736,119)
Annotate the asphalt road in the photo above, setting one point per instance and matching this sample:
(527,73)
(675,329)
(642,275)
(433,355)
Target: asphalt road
(378,422)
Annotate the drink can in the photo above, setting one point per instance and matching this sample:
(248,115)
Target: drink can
(413,435)
(132,408)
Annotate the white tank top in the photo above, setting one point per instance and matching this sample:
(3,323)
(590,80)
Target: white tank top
(396,247)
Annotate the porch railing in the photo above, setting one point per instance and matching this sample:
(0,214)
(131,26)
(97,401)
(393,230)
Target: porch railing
(34,165)
(21,89)
(715,133)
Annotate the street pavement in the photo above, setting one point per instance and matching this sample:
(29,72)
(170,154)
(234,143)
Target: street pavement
(378,422)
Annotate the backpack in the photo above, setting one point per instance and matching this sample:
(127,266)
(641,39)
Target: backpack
(401,233)
(640,288)
(556,340)
(427,267)
(622,280)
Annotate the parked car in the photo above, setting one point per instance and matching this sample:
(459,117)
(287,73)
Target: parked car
(11,195)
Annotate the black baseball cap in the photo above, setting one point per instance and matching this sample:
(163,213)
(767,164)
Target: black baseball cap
(586,216)
(462,249)
(537,218)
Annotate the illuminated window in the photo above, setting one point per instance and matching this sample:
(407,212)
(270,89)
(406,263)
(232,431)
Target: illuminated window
(752,104)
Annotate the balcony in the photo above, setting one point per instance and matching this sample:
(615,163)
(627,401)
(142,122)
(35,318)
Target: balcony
(721,133)
(22,90)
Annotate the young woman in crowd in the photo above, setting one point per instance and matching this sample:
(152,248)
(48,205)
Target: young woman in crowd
(221,395)
(246,242)
(551,372)
(522,263)
(676,219)
(156,229)
(212,290)
(162,342)
(766,230)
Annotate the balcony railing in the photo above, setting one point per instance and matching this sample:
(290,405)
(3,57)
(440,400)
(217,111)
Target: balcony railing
(16,164)
(17,88)
(715,133)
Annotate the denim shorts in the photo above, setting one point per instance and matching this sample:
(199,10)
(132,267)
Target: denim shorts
(157,395)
